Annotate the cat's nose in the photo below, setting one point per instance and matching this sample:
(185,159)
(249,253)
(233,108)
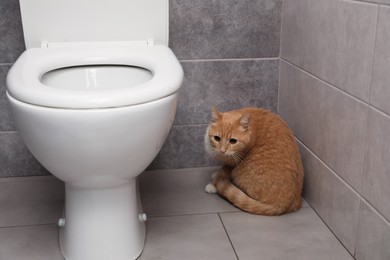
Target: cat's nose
(222,150)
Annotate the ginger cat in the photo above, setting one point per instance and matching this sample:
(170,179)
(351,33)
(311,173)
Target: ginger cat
(262,171)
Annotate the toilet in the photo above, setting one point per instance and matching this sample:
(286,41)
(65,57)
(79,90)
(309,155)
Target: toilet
(94,97)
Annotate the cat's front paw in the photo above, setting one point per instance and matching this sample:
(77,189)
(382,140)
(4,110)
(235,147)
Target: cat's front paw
(210,188)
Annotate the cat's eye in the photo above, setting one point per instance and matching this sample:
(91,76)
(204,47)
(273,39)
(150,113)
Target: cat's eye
(233,141)
(217,138)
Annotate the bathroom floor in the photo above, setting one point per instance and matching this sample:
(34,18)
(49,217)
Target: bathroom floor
(184,222)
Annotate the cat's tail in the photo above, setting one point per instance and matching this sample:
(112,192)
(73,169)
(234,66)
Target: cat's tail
(241,200)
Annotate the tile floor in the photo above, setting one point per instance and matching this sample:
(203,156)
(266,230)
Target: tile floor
(184,222)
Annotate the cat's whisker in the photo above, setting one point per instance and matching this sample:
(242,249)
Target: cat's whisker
(236,158)
(241,156)
(212,154)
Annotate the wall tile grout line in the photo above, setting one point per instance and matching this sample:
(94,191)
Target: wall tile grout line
(341,179)
(379,111)
(280,56)
(362,2)
(32,178)
(343,182)
(366,131)
(8,132)
(328,227)
(375,210)
(324,81)
(186,125)
(357,225)
(278,99)
(227,234)
(229,59)
(374,52)
(328,167)
(362,173)
(383,218)
(369,95)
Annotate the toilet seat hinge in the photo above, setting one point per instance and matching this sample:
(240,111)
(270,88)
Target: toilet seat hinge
(150,42)
(44,44)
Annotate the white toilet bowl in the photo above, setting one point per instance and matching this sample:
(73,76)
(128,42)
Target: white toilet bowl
(96,128)
(94,97)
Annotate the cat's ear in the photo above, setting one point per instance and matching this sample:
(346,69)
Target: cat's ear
(245,121)
(215,114)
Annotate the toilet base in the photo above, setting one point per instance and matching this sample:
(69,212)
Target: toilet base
(103,223)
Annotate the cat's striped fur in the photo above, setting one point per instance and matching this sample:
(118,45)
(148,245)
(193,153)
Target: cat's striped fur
(262,172)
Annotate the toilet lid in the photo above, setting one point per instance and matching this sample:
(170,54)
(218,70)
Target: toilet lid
(24,79)
(94,21)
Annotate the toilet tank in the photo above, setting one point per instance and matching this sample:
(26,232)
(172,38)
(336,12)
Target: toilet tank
(94,21)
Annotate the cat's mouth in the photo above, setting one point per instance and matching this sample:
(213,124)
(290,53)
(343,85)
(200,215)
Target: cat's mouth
(230,157)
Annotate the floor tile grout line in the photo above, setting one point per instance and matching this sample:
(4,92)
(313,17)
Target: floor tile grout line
(328,227)
(190,214)
(29,225)
(8,132)
(227,234)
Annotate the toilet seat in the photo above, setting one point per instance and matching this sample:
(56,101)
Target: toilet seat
(24,82)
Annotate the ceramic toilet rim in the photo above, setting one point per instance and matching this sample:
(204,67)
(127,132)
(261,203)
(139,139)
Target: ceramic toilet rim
(24,82)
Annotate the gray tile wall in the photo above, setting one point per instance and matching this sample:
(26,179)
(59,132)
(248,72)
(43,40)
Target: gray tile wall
(15,159)
(229,51)
(230,54)
(334,91)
